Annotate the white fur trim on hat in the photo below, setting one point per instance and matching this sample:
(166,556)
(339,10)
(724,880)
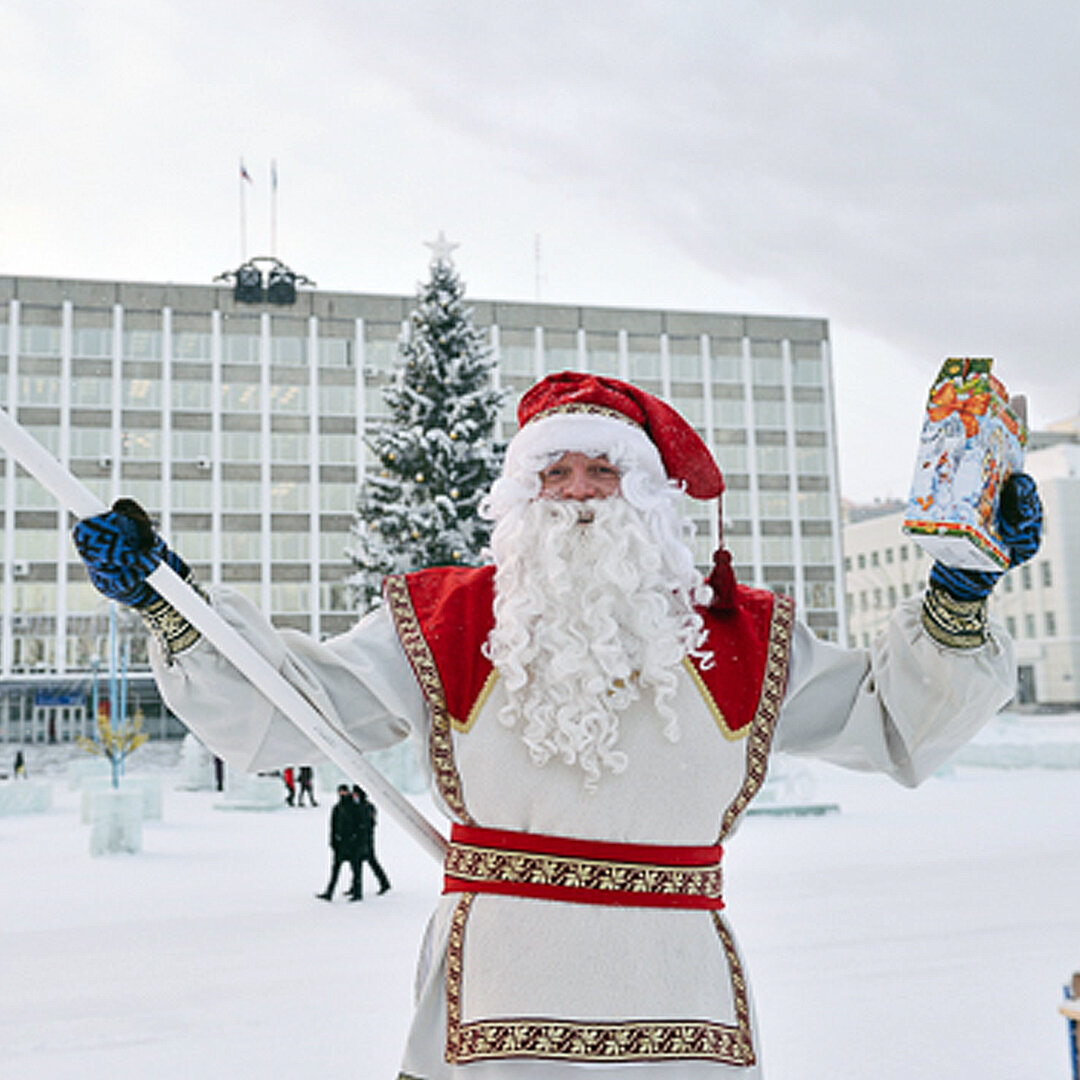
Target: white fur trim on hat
(541,441)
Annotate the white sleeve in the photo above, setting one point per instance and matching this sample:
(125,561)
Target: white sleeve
(902,707)
(361,681)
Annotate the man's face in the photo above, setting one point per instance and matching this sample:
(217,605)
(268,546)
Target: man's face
(577,476)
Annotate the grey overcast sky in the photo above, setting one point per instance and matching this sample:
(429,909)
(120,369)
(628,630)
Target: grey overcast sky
(909,170)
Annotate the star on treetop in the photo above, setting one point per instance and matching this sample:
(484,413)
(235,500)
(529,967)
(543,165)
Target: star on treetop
(441,249)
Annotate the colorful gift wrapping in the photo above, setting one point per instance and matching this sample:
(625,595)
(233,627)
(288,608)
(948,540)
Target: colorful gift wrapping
(972,439)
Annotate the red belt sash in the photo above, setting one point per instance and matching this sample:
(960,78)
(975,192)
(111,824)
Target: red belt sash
(582,871)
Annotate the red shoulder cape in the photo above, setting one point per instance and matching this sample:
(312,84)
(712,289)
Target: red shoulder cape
(451,608)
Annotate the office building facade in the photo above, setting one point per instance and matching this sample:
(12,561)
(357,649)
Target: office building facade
(241,427)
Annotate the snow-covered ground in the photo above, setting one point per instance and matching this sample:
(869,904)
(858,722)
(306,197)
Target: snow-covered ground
(913,934)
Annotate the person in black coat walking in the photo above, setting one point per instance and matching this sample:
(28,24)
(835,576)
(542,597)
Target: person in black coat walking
(365,845)
(344,838)
(305,777)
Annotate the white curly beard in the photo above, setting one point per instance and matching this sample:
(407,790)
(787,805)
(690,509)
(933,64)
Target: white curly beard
(589,615)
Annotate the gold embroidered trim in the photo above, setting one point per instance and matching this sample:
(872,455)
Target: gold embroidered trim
(485,691)
(441,746)
(601,1041)
(473,863)
(170,629)
(717,715)
(583,407)
(956,624)
(764,723)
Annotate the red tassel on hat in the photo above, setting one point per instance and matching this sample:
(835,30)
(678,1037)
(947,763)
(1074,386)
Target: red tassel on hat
(722,577)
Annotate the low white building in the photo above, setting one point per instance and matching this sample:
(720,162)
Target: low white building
(1039,603)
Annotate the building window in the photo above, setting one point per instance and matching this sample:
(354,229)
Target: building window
(39,390)
(877,599)
(817,549)
(729,413)
(813,504)
(240,495)
(727,369)
(847,564)
(1010,625)
(1050,624)
(772,460)
(811,461)
(810,415)
(1029,626)
(904,554)
(189,345)
(240,397)
(94,342)
(875,560)
(141,445)
(892,596)
(1008,583)
(768,370)
(241,348)
(1025,576)
(289,446)
(770,414)
(1047,574)
(39,340)
(288,398)
(142,393)
(685,361)
(142,344)
(777,550)
(191,396)
(820,595)
(888,555)
(240,546)
(807,371)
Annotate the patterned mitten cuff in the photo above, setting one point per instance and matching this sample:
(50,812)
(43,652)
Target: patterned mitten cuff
(954,623)
(172,631)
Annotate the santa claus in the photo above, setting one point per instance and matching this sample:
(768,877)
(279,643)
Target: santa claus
(597,720)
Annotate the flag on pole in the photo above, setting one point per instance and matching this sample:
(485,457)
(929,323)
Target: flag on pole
(273,174)
(244,174)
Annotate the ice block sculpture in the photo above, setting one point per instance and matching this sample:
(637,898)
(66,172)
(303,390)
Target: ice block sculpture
(972,439)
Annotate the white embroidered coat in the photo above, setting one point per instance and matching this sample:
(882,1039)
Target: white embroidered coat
(650,992)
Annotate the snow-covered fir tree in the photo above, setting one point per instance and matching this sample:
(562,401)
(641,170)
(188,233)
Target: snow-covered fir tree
(436,453)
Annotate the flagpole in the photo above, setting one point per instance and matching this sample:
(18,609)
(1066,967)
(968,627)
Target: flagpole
(18,444)
(273,209)
(243,213)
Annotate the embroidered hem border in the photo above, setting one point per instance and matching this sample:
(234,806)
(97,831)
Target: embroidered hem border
(597,1040)
(441,746)
(583,872)
(773,686)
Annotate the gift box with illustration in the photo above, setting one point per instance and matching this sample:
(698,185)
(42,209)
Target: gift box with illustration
(972,438)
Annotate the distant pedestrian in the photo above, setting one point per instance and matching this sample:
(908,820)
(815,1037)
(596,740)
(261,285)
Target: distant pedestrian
(290,785)
(306,778)
(20,765)
(344,820)
(365,845)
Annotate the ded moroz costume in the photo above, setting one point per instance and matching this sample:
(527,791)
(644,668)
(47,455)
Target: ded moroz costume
(582,919)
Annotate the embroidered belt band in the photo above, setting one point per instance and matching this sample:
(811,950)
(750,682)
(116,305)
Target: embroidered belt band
(582,871)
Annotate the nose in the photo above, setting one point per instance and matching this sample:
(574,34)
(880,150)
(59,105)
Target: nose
(579,486)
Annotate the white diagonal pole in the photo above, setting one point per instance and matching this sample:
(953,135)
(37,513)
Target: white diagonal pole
(330,739)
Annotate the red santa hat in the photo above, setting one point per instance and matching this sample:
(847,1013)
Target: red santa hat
(597,415)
